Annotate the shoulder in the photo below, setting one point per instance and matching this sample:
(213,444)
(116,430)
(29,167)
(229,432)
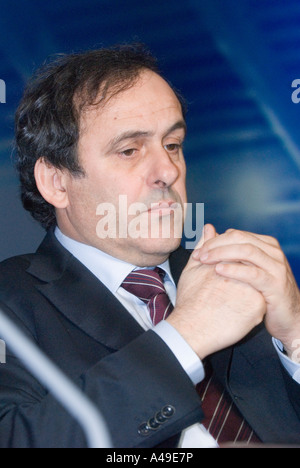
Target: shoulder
(14,277)
(20,262)
(17,291)
(18,286)
(13,271)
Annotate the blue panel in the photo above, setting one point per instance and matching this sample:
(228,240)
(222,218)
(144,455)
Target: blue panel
(234,61)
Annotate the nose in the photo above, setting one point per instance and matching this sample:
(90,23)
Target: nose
(164,169)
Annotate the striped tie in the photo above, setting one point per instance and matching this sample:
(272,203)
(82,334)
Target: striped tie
(148,286)
(222,418)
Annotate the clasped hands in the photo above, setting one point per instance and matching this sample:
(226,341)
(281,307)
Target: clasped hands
(233,282)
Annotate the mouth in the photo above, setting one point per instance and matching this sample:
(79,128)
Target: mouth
(163,207)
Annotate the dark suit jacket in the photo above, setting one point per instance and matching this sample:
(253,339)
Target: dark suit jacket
(130,374)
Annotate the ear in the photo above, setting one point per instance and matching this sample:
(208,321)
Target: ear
(51,183)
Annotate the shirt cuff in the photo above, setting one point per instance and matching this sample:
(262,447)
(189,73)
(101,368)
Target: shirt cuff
(293,368)
(188,359)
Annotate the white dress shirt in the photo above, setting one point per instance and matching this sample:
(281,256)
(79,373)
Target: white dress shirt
(112,272)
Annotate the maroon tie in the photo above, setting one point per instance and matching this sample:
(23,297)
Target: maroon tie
(222,419)
(148,286)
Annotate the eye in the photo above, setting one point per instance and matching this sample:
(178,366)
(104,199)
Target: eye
(173,147)
(128,152)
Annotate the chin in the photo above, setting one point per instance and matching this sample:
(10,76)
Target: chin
(159,248)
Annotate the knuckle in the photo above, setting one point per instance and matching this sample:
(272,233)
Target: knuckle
(274,241)
(236,235)
(282,259)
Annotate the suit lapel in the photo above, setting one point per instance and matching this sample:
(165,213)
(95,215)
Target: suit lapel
(81,297)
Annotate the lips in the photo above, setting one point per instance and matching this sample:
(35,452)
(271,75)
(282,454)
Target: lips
(163,206)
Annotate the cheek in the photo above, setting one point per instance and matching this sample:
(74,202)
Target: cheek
(131,186)
(180,187)
(84,195)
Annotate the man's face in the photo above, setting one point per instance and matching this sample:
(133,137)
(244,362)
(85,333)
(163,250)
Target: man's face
(131,151)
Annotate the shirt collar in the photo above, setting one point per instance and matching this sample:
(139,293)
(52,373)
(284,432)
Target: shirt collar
(109,270)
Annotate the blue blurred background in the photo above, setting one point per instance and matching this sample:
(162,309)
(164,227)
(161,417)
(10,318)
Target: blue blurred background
(233,60)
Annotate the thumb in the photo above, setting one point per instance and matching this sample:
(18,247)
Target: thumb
(209,232)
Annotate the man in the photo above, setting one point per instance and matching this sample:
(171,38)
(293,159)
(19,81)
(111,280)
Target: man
(92,128)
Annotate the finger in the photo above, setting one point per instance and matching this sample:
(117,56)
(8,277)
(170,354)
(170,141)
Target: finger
(267,239)
(236,238)
(241,253)
(255,277)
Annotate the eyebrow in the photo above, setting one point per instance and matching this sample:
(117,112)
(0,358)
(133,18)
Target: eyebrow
(180,125)
(131,135)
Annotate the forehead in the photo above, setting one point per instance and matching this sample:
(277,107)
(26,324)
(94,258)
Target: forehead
(150,99)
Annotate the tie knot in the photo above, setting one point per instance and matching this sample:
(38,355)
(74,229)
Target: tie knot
(148,286)
(145,284)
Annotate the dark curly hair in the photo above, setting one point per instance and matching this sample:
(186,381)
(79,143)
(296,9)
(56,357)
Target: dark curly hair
(47,119)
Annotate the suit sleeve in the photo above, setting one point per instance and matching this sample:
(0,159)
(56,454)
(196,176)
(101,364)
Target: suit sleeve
(141,390)
(293,389)
(288,369)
